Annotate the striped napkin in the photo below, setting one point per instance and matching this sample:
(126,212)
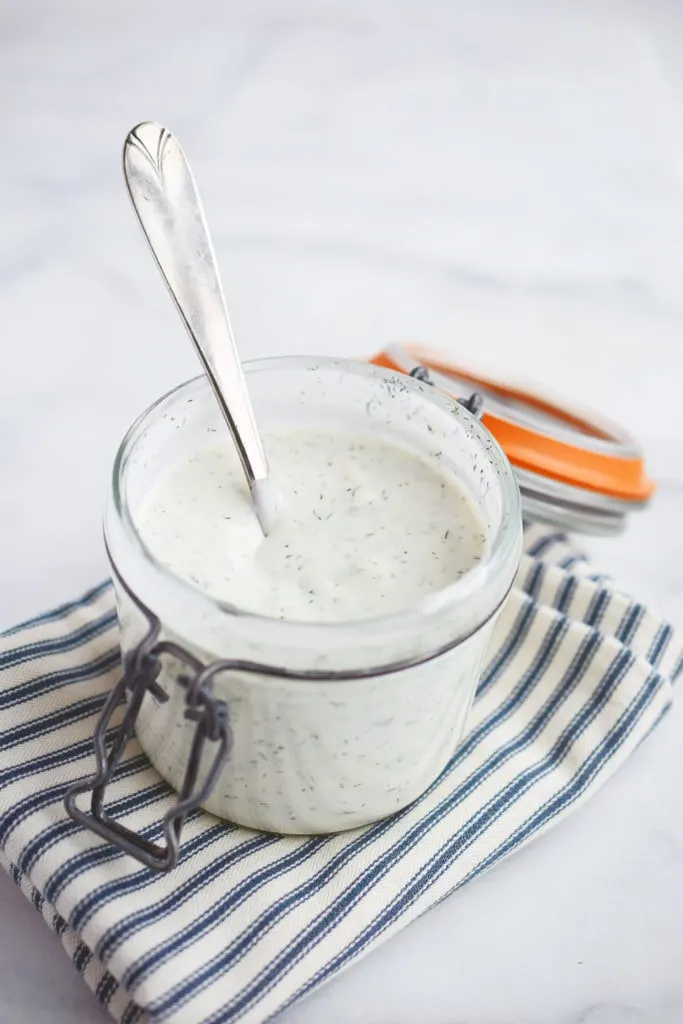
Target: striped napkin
(578,674)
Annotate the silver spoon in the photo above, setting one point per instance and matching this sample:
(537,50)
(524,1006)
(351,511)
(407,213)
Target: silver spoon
(166,201)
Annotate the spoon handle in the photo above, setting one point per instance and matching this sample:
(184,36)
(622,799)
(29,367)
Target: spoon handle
(167,203)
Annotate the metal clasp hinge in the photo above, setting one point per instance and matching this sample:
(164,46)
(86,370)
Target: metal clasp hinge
(474,404)
(141,669)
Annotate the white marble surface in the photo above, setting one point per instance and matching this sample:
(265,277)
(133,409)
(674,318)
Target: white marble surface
(502,178)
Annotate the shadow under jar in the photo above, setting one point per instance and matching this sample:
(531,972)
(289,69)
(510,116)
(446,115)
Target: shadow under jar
(339,724)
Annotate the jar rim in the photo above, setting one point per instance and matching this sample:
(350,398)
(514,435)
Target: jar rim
(499,561)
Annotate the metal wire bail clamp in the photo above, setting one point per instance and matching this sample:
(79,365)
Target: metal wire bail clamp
(140,671)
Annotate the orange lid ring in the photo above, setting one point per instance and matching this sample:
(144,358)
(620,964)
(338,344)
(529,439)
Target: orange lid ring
(583,452)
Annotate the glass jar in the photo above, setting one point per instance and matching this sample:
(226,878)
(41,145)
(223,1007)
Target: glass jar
(333,725)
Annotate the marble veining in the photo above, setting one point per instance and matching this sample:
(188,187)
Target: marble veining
(501,179)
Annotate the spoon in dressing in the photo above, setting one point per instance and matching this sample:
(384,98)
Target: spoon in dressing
(167,203)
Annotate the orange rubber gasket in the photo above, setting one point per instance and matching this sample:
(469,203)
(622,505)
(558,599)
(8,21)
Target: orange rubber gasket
(616,476)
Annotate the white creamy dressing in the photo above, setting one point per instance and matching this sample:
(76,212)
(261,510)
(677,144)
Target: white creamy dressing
(366,528)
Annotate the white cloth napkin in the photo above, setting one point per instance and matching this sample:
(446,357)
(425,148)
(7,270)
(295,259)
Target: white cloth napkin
(578,674)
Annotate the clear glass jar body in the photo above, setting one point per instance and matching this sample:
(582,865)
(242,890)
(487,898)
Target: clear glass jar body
(371,711)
